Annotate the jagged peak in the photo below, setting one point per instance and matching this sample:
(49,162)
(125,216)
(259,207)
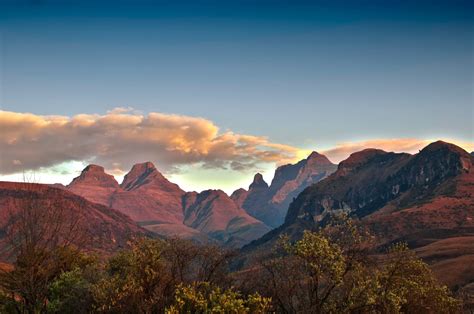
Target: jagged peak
(318,158)
(140,174)
(258,182)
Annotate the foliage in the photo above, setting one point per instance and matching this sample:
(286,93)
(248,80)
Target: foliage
(202,297)
(137,281)
(331,270)
(324,273)
(33,273)
(70,293)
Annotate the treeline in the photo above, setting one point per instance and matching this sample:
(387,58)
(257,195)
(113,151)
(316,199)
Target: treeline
(326,271)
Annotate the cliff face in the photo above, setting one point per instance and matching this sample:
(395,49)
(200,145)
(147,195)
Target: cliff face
(425,199)
(94,184)
(162,207)
(368,180)
(216,214)
(270,203)
(145,194)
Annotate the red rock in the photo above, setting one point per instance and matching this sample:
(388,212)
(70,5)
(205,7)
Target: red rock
(269,204)
(106,229)
(214,213)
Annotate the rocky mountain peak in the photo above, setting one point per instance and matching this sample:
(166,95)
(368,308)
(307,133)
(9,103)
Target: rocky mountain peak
(443,146)
(443,159)
(239,196)
(94,175)
(258,182)
(361,157)
(141,174)
(317,158)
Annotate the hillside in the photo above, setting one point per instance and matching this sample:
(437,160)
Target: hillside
(426,199)
(270,203)
(62,214)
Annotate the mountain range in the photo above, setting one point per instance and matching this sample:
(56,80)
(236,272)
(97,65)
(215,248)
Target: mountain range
(425,199)
(270,203)
(162,207)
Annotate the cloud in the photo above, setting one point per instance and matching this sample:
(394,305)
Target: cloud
(123,137)
(407,145)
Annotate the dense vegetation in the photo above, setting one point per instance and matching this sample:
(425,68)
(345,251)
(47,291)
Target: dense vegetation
(326,271)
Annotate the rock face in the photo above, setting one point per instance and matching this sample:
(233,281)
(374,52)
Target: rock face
(239,196)
(94,184)
(425,199)
(93,226)
(255,204)
(217,215)
(147,196)
(270,203)
(162,207)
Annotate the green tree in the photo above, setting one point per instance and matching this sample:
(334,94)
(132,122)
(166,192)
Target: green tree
(202,297)
(331,271)
(137,281)
(70,292)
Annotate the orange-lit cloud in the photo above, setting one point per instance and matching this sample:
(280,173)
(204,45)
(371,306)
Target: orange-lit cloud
(407,145)
(122,137)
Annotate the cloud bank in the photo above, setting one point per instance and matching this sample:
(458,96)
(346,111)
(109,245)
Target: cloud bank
(407,145)
(122,137)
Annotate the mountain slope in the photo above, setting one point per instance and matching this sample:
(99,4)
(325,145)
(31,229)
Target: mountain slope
(94,184)
(423,199)
(216,214)
(164,208)
(97,227)
(270,203)
(145,195)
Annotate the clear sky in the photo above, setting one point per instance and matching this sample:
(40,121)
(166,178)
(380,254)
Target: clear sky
(307,74)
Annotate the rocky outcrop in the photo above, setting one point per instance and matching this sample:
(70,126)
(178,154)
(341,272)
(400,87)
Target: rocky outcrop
(270,203)
(424,199)
(162,207)
(239,196)
(217,215)
(94,184)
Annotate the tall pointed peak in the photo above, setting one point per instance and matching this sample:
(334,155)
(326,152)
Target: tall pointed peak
(95,175)
(141,174)
(318,158)
(258,182)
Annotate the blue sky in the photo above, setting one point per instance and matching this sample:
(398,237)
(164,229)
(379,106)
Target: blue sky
(309,74)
